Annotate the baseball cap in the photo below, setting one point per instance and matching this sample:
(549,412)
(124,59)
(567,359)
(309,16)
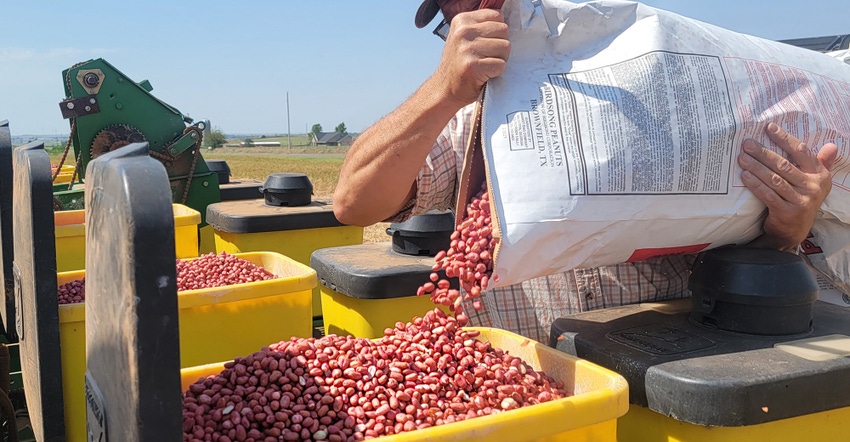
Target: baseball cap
(429,8)
(426,12)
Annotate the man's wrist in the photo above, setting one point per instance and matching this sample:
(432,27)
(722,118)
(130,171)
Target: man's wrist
(766,241)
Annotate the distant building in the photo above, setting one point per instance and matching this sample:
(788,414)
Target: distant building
(330,139)
(261,144)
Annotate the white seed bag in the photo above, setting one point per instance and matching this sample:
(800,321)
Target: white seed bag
(612,135)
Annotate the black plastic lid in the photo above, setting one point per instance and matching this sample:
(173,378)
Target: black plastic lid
(7,300)
(221,168)
(423,235)
(759,291)
(372,271)
(707,376)
(34,275)
(241,190)
(287,189)
(132,377)
(255,216)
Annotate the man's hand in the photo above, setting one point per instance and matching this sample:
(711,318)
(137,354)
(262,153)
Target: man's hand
(793,188)
(476,50)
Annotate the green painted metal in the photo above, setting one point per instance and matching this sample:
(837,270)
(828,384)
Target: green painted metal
(68,199)
(100,97)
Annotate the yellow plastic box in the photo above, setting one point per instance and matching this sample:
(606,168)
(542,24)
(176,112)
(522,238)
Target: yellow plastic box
(215,324)
(223,322)
(641,424)
(72,345)
(252,226)
(369,287)
(367,318)
(600,396)
(65,174)
(63,177)
(71,236)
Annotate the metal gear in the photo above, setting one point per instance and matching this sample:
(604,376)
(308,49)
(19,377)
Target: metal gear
(114,137)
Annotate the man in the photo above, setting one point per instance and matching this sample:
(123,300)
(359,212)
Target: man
(409,162)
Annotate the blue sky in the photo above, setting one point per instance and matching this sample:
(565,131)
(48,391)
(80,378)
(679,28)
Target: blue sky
(234,62)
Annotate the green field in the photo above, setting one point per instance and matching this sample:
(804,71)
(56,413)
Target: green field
(320,164)
(323,170)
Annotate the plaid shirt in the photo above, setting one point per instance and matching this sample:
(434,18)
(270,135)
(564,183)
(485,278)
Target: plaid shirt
(529,308)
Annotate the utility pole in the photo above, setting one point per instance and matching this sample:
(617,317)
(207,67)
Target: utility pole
(288,131)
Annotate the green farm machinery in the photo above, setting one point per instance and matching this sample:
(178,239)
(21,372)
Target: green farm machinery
(107,110)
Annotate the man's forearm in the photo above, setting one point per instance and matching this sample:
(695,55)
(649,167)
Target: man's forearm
(379,172)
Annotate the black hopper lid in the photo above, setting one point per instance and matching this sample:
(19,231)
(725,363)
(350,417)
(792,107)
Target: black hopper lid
(424,234)
(287,189)
(221,168)
(757,291)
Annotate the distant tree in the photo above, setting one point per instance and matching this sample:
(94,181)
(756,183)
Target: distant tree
(215,139)
(341,128)
(247,142)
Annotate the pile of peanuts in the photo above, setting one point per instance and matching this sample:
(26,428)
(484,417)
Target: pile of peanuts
(218,270)
(469,258)
(206,271)
(72,292)
(338,388)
